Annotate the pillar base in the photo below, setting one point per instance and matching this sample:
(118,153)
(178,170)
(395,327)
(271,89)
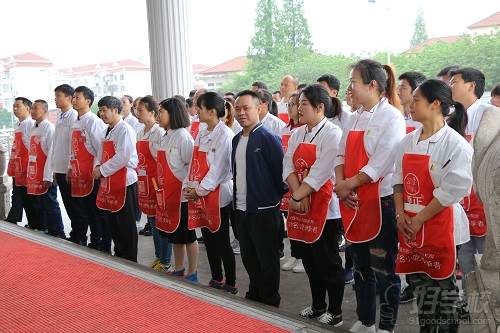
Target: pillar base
(5,188)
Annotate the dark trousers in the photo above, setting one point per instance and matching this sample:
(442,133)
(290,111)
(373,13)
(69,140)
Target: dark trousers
(65,190)
(323,266)
(295,246)
(49,213)
(16,210)
(437,303)
(219,249)
(260,238)
(123,228)
(86,214)
(378,255)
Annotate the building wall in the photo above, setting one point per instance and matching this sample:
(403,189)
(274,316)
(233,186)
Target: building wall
(485,30)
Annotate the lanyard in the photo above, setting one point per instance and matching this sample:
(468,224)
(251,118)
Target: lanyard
(314,137)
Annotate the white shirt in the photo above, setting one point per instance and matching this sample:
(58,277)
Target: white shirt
(45,131)
(133,122)
(411,123)
(25,128)
(240,160)
(218,145)
(124,141)
(273,123)
(384,128)
(178,144)
(453,181)
(60,152)
(93,129)
(474,116)
(282,106)
(236,128)
(326,138)
(154,136)
(343,121)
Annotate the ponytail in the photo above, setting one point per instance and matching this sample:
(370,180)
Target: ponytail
(273,108)
(458,119)
(229,113)
(335,110)
(390,88)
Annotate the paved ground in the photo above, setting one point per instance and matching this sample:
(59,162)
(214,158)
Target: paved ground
(294,287)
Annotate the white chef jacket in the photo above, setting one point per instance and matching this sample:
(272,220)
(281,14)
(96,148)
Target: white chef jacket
(384,128)
(93,129)
(25,128)
(327,144)
(178,144)
(133,122)
(273,123)
(45,131)
(452,180)
(154,136)
(124,141)
(411,123)
(343,121)
(60,151)
(218,145)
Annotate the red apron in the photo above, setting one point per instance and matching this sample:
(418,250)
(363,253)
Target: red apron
(431,252)
(205,211)
(284,201)
(474,209)
(11,166)
(285,117)
(364,223)
(308,227)
(20,159)
(36,164)
(82,166)
(113,189)
(195,128)
(146,171)
(410,129)
(168,196)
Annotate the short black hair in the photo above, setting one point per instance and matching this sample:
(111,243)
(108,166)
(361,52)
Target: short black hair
(43,102)
(212,101)
(150,103)
(191,93)
(414,79)
(189,102)
(301,86)
(277,92)
(87,93)
(66,89)
(179,117)
(470,74)
(331,81)
(446,70)
(230,93)
(496,90)
(259,85)
(110,102)
(248,92)
(25,101)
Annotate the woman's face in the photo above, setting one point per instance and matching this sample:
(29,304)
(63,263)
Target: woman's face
(164,118)
(143,114)
(293,108)
(204,113)
(307,113)
(360,92)
(420,108)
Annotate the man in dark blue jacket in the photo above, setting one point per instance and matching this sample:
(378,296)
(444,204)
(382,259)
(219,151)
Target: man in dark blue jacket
(257,164)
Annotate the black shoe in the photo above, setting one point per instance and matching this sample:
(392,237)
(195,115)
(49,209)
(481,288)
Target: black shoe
(311,313)
(230,289)
(200,240)
(407,296)
(147,230)
(463,311)
(13,222)
(329,319)
(93,246)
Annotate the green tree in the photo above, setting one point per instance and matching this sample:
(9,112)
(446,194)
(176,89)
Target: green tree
(420,33)
(293,30)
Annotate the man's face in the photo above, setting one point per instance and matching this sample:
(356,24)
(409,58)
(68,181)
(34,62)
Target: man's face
(38,112)
(405,92)
(79,101)
(331,92)
(287,87)
(108,115)
(20,110)
(62,101)
(461,90)
(247,111)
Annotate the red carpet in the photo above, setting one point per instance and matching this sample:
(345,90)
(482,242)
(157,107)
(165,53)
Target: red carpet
(45,290)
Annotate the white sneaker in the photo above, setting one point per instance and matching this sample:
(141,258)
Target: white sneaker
(355,328)
(299,267)
(367,329)
(383,331)
(289,264)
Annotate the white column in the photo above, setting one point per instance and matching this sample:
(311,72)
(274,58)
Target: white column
(171,71)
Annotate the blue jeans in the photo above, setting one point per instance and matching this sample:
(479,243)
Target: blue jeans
(374,266)
(163,248)
(52,212)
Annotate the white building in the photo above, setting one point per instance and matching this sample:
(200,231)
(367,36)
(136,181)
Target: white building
(486,26)
(216,76)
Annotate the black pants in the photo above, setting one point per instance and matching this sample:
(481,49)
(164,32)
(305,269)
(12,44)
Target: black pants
(32,207)
(123,228)
(260,238)
(219,249)
(16,210)
(65,189)
(437,303)
(375,264)
(323,266)
(48,213)
(86,214)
